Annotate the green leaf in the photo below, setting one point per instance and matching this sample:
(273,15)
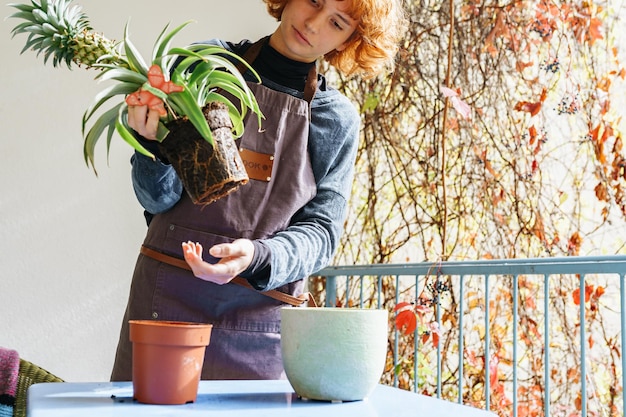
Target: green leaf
(22,7)
(162,131)
(135,60)
(228,82)
(126,134)
(200,74)
(107,119)
(370,103)
(105,95)
(123,75)
(163,42)
(221,55)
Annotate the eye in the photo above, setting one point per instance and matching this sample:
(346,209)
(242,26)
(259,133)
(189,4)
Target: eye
(336,24)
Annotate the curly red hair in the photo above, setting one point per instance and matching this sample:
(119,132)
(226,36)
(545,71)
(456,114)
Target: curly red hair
(375,42)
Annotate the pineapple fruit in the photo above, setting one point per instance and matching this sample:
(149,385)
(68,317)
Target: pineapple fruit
(63,33)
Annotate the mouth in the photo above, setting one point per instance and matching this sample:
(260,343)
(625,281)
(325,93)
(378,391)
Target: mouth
(301,37)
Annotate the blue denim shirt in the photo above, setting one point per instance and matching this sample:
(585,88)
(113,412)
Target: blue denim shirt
(311,239)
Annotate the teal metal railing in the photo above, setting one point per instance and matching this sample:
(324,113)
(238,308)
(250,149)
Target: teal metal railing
(370,286)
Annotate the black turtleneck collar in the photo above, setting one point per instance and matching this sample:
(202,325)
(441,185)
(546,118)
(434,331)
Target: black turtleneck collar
(276,67)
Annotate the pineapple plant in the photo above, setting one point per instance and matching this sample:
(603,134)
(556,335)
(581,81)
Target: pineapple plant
(62,33)
(204,75)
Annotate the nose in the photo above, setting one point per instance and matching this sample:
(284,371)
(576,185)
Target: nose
(313,22)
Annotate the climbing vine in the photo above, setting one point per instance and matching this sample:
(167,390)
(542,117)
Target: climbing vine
(498,135)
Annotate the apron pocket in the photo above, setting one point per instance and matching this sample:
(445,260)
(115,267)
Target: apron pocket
(176,235)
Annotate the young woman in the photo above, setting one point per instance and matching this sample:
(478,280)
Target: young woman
(273,231)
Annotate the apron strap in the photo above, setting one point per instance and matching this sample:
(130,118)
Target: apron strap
(277,295)
(310,86)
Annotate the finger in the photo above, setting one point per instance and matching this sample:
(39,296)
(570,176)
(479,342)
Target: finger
(238,247)
(220,251)
(137,117)
(198,248)
(152,124)
(187,248)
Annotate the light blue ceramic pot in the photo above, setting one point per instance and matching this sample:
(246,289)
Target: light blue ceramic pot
(333,354)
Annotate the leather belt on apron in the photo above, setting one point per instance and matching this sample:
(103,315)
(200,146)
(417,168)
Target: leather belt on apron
(181,263)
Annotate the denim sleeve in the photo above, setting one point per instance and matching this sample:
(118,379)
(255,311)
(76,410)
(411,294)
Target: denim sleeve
(156,184)
(310,241)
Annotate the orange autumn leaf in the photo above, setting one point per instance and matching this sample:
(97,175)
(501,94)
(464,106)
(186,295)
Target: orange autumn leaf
(573,375)
(573,244)
(588,292)
(578,402)
(604,84)
(521,66)
(602,194)
(406,322)
(538,228)
(500,29)
(532,132)
(435,339)
(532,108)
(599,292)
(595,133)
(594,33)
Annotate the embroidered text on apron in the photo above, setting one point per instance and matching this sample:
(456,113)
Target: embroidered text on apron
(245,340)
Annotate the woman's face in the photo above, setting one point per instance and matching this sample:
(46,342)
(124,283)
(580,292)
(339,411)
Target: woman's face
(310,29)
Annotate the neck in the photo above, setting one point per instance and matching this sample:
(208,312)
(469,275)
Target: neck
(276,67)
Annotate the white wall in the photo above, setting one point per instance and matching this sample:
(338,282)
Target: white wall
(69,239)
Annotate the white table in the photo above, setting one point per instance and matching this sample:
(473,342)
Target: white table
(232,398)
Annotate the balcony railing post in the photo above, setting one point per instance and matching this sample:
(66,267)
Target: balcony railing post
(487,348)
(546,343)
(515,338)
(461,340)
(583,348)
(622,306)
(331,291)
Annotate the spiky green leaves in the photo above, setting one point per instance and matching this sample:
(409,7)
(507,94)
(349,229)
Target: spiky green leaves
(51,26)
(209,75)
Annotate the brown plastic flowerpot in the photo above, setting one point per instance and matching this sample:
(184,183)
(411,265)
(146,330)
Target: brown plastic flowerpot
(207,172)
(167,360)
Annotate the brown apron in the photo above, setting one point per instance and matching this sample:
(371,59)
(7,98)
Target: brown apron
(245,341)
